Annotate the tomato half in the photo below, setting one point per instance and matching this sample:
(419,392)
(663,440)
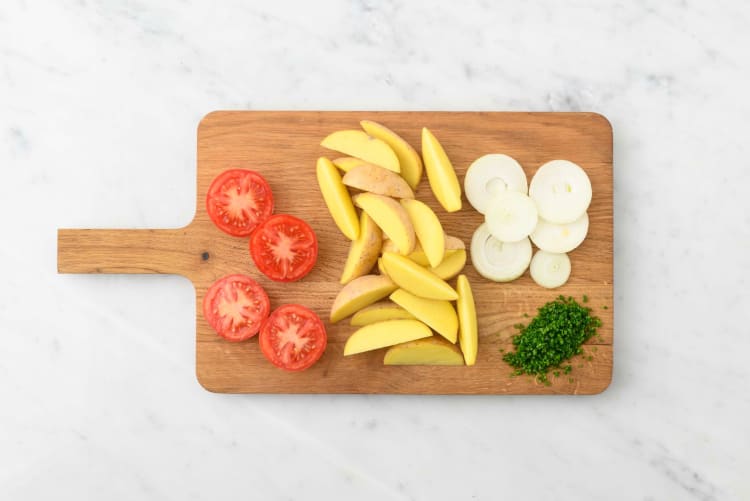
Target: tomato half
(235,307)
(293,337)
(238,200)
(284,248)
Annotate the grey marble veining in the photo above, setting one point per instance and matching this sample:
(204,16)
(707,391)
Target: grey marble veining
(99,102)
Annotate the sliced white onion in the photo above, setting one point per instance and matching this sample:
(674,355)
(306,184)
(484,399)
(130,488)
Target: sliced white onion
(491,175)
(511,216)
(561,190)
(550,269)
(496,260)
(560,238)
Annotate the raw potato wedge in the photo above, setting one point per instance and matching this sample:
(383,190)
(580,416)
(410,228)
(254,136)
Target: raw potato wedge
(454,262)
(364,251)
(356,143)
(337,199)
(454,243)
(415,279)
(347,163)
(440,173)
(382,334)
(429,231)
(408,159)
(467,321)
(360,292)
(380,312)
(391,218)
(438,315)
(417,255)
(427,351)
(368,177)
(381,268)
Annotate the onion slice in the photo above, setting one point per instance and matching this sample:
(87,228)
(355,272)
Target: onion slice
(491,175)
(511,216)
(550,269)
(560,238)
(496,260)
(561,190)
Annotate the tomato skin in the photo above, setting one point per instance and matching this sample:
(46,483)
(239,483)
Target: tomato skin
(293,338)
(236,306)
(284,248)
(238,200)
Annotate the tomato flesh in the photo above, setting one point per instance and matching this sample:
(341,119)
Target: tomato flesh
(238,201)
(235,307)
(284,248)
(293,338)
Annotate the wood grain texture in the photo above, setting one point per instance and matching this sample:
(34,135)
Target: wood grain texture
(284,146)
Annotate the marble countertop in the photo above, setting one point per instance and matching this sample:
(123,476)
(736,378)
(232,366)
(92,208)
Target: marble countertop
(99,103)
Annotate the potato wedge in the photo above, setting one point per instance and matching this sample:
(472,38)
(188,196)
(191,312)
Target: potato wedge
(408,158)
(364,251)
(380,312)
(427,351)
(356,143)
(382,334)
(440,173)
(437,314)
(337,199)
(391,217)
(416,279)
(347,163)
(467,321)
(429,231)
(454,262)
(360,292)
(454,243)
(368,177)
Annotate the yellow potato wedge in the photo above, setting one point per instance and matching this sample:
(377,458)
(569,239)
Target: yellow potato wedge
(391,217)
(381,268)
(426,351)
(360,292)
(408,158)
(440,173)
(364,251)
(467,320)
(454,243)
(438,315)
(429,231)
(356,143)
(347,163)
(368,177)
(454,262)
(380,312)
(415,279)
(337,199)
(382,334)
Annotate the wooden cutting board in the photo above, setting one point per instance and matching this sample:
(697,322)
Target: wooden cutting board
(284,146)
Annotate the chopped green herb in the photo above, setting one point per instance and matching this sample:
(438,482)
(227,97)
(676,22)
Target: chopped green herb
(585,298)
(568,368)
(590,358)
(553,336)
(594,348)
(605,307)
(570,379)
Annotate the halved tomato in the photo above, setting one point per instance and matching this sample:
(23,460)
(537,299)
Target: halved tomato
(235,307)
(293,337)
(238,200)
(284,248)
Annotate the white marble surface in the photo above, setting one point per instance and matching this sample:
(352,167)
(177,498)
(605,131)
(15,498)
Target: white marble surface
(99,102)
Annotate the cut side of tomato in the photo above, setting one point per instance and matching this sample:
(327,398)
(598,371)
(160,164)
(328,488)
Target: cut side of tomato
(235,307)
(293,338)
(284,248)
(238,200)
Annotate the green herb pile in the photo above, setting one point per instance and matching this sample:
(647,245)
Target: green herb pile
(552,337)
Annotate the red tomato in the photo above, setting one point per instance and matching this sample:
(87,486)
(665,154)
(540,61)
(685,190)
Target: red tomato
(293,337)
(284,248)
(236,306)
(238,200)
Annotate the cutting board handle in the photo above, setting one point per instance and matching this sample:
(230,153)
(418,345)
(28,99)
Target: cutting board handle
(124,251)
